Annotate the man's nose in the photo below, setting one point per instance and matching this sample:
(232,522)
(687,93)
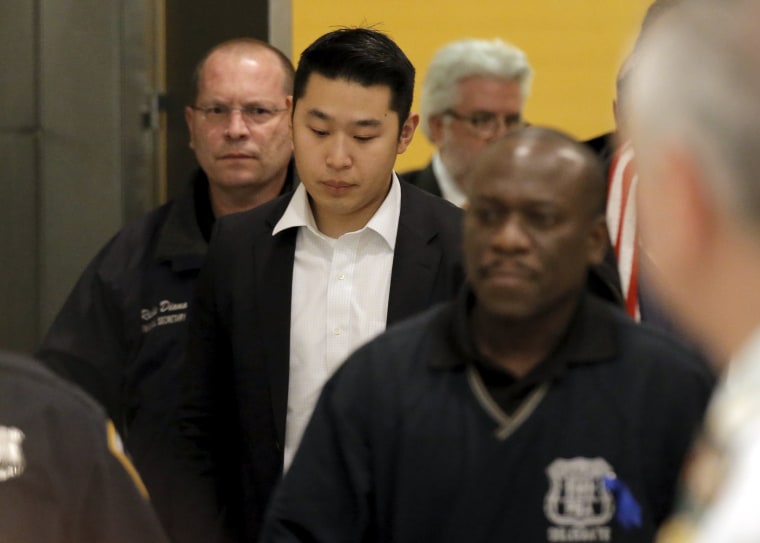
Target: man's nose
(338,154)
(512,235)
(502,128)
(236,126)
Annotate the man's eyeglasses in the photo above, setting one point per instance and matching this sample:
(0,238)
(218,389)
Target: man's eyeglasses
(221,115)
(487,125)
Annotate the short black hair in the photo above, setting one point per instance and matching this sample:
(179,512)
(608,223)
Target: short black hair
(359,55)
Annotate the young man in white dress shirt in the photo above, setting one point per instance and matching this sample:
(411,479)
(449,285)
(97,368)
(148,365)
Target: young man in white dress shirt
(290,290)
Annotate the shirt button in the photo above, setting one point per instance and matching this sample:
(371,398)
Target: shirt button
(337,331)
(341,276)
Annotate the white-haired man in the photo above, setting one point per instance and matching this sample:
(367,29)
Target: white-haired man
(693,114)
(474,91)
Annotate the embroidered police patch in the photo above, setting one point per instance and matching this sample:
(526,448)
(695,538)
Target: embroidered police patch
(578,501)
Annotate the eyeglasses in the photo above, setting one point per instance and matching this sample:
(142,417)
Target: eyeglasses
(221,115)
(487,125)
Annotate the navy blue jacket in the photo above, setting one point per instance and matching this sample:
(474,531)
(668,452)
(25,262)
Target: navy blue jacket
(407,444)
(63,476)
(122,333)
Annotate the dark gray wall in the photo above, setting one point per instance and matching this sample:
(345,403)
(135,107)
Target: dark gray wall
(79,180)
(191,29)
(19,137)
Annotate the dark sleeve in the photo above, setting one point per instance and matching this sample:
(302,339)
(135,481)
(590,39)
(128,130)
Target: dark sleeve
(202,417)
(114,507)
(326,494)
(674,420)
(63,474)
(86,343)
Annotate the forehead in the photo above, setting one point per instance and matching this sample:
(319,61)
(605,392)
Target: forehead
(518,175)
(490,94)
(242,70)
(343,100)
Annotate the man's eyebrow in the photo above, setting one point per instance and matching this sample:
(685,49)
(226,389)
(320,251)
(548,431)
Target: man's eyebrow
(367,122)
(322,116)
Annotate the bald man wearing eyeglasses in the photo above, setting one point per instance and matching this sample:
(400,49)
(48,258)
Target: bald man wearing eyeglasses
(122,332)
(474,91)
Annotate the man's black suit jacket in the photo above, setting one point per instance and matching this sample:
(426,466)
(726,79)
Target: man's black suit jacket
(236,383)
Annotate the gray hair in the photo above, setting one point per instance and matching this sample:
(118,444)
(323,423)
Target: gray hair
(697,82)
(467,58)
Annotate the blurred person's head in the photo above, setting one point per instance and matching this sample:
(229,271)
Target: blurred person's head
(534,225)
(655,13)
(693,112)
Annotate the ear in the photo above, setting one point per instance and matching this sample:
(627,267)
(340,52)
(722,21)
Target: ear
(407,131)
(598,241)
(679,222)
(289,105)
(695,213)
(189,113)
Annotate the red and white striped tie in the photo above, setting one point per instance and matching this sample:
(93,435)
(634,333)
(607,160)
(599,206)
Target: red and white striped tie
(621,221)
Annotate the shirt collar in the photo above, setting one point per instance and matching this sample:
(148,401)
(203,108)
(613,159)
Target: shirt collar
(744,366)
(591,336)
(297,214)
(384,222)
(449,188)
(735,402)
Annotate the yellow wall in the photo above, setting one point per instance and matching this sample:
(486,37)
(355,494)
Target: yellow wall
(574,46)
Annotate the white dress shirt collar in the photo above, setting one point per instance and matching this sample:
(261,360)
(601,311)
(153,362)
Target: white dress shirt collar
(384,221)
(744,367)
(449,188)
